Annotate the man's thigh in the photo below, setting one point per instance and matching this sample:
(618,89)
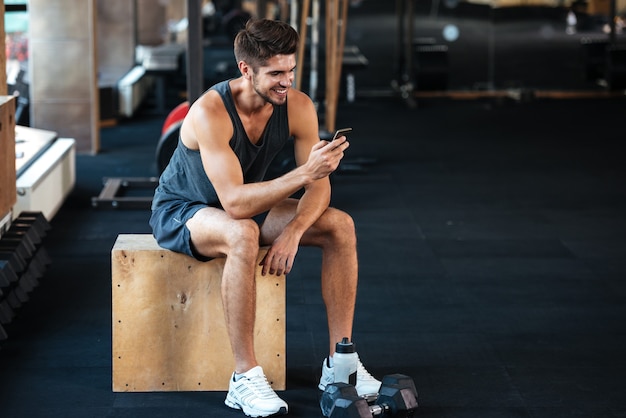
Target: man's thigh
(209,228)
(277,219)
(280,215)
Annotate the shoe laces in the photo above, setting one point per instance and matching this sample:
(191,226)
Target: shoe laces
(260,386)
(362,372)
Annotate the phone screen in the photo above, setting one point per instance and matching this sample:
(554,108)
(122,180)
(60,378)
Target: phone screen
(341,132)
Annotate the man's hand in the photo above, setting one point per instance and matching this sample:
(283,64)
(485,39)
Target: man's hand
(325,157)
(281,255)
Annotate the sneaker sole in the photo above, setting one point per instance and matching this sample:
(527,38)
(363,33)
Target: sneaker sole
(230,402)
(368,396)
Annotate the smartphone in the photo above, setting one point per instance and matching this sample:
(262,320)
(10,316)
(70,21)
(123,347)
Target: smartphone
(341,132)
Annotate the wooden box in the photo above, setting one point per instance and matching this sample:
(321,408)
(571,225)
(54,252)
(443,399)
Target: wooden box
(169,332)
(8,193)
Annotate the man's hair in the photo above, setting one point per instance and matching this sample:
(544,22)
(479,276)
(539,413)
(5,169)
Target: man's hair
(262,39)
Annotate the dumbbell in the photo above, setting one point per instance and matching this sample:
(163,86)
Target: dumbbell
(397,398)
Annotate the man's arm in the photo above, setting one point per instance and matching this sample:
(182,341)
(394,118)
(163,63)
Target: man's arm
(212,128)
(304,127)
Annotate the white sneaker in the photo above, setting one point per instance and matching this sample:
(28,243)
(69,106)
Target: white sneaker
(366,384)
(254,395)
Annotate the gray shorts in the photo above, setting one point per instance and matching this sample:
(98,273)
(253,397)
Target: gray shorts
(169,227)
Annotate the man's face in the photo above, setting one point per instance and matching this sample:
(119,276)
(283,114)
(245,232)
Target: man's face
(273,80)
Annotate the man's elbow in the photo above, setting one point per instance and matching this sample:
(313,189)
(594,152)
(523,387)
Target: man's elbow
(237,211)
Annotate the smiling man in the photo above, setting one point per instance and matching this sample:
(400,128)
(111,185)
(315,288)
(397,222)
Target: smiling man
(212,201)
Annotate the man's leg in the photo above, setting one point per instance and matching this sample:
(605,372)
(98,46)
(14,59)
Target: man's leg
(214,234)
(334,232)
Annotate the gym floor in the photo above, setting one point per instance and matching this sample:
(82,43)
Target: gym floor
(492,257)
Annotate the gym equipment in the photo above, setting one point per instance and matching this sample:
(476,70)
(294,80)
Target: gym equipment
(126,193)
(152,301)
(403,84)
(169,135)
(604,61)
(397,398)
(21,90)
(353,60)
(593,56)
(431,67)
(23,261)
(176,115)
(616,67)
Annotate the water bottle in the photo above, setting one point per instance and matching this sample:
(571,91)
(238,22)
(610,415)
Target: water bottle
(345,362)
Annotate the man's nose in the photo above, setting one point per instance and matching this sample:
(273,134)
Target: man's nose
(287,80)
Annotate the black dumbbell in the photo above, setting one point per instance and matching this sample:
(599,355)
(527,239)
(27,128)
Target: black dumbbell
(397,398)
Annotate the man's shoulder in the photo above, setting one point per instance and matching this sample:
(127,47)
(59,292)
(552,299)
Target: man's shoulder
(298,100)
(211,100)
(298,95)
(207,109)
(222,87)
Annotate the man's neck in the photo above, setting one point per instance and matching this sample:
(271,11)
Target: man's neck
(247,100)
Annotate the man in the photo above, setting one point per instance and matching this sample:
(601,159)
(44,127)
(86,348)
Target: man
(212,201)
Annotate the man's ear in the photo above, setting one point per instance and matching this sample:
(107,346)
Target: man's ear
(245,69)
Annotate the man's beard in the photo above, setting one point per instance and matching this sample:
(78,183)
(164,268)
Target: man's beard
(264,96)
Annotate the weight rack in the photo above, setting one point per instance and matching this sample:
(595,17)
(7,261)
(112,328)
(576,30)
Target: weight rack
(23,261)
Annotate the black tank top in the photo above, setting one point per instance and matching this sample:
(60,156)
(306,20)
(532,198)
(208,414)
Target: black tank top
(185,179)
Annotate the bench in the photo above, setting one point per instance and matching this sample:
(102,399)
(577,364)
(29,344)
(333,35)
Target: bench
(168,327)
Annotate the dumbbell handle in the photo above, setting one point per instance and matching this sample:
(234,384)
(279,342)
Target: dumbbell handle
(370,397)
(377,410)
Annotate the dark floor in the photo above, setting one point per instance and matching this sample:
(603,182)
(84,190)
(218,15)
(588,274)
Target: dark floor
(493,268)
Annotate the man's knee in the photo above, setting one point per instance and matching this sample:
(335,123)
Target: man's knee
(243,234)
(339,224)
